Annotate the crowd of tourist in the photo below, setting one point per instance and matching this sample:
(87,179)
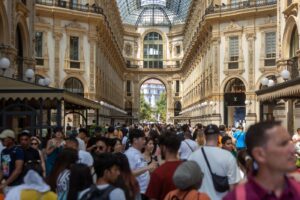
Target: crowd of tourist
(155,162)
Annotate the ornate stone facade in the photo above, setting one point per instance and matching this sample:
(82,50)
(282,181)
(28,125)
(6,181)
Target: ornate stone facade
(16,36)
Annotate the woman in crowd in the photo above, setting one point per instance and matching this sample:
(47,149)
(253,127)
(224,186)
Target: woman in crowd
(200,139)
(80,179)
(116,146)
(148,151)
(60,176)
(35,143)
(127,180)
(53,148)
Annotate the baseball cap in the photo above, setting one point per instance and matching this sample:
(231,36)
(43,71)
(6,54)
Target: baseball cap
(211,129)
(7,133)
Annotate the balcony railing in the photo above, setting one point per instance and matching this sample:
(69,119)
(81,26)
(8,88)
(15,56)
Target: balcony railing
(240,5)
(73,6)
(164,65)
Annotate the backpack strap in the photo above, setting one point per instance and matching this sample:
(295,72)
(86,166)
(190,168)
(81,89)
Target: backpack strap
(107,191)
(188,145)
(101,194)
(240,192)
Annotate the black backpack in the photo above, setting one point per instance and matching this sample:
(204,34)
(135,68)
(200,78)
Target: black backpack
(95,194)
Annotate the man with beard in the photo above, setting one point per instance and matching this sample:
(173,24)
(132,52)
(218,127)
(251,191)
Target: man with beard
(161,181)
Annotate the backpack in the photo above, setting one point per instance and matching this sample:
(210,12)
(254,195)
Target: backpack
(95,194)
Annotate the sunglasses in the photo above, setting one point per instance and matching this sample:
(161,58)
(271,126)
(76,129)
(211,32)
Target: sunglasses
(33,143)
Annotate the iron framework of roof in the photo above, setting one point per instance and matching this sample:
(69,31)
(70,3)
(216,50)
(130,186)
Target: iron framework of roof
(153,12)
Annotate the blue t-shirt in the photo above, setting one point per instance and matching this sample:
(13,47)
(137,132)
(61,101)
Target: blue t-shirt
(240,139)
(8,163)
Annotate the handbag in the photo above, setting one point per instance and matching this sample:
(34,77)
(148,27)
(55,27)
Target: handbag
(220,182)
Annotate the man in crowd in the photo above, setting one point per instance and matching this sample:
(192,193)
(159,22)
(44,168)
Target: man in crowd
(227,144)
(83,156)
(187,147)
(161,182)
(81,138)
(239,136)
(137,162)
(221,163)
(32,159)
(12,160)
(268,143)
(107,170)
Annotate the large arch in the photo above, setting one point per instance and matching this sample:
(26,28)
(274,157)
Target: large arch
(234,102)
(85,86)
(72,81)
(3,24)
(225,81)
(22,25)
(167,91)
(287,34)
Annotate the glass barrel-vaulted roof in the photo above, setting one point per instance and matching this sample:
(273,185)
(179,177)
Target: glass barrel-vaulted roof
(153,12)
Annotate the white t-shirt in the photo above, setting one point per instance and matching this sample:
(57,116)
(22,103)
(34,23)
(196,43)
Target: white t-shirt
(85,158)
(222,163)
(117,193)
(137,161)
(81,144)
(187,147)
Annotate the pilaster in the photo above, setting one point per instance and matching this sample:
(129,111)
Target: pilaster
(57,38)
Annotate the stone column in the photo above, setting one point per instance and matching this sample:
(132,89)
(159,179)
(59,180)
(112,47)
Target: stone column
(170,104)
(57,37)
(217,108)
(92,84)
(250,94)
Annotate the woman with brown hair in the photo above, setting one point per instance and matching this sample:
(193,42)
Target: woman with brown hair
(60,175)
(127,180)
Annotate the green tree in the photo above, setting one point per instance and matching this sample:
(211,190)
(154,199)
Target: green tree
(161,106)
(145,109)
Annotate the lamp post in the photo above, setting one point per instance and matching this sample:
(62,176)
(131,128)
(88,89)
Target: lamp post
(285,74)
(4,64)
(47,81)
(29,74)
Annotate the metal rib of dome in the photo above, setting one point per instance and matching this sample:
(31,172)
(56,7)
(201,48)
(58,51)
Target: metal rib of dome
(153,12)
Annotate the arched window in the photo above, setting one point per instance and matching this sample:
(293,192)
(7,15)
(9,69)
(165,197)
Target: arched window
(153,50)
(294,45)
(74,85)
(235,85)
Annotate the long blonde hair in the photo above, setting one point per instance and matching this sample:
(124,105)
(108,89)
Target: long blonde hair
(200,137)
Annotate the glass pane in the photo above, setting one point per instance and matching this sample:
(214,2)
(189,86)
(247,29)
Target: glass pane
(74,85)
(270,44)
(39,44)
(74,48)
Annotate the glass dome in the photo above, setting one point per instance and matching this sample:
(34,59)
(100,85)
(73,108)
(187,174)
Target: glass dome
(153,12)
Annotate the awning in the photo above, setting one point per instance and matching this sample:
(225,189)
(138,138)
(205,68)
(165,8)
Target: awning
(286,90)
(16,89)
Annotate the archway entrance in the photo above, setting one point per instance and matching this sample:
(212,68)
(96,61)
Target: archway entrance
(153,101)
(234,103)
